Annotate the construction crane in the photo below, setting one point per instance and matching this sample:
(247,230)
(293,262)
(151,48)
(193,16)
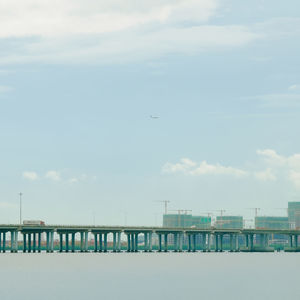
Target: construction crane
(221,211)
(166,205)
(180,213)
(256,209)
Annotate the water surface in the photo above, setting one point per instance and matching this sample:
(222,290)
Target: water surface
(77,276)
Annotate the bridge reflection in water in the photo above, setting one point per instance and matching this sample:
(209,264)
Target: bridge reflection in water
(37,238)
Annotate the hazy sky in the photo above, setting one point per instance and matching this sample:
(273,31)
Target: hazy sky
(79,80)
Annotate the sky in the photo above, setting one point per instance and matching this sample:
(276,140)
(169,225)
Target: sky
(79,81)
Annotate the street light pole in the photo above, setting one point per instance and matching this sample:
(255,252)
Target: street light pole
(20,194)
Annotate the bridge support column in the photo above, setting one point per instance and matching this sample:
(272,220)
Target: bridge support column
(216,243)
(203,246)
(231,242)
(39,241)
(132,245)
(159,242)
(34,242)
(73,241)
(150,241)
(12,241)
(291,241)
(208,242)
(175,241)
(189,243)
(0,241)
(105,242)
(194,243)
(145,241)
(136,240)
(24,243)
(166,242)
(29,242)
(119,242)
(114,242)
(86,241)
(128,242)
(95,242)
(247,241)
(251,242)
(60,242)
(47,241)
(296,240)
(221,242)
(81,241)
(180,241)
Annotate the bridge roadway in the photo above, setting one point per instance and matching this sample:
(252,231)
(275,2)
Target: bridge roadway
(191,239)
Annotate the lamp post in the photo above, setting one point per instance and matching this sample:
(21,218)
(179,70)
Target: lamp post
(20,194)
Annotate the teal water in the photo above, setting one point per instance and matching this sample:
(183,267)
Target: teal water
(146,276)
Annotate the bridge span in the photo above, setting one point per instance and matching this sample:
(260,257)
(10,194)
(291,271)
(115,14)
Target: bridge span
(73,238)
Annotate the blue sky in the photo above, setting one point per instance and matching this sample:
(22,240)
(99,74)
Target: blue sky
(79,80)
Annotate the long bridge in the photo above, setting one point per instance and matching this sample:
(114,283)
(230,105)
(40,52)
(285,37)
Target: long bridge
(28,238)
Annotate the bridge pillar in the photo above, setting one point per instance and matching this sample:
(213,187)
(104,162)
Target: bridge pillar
(67,242)
(105,242)
(136,240)
(128,242)
(251,242)
(296,241)
(159,242)
(100,243)
(114,241)
(0,241)
(39,241)
(166,242)
(189,243)
(12,241)
(73,241)
(132,242)
(291,241)
(247,241)
(231,242)
(47,241)
(150,241)
(81,241)
(34,242)
(145,241)
(180,241)
(119,242)
(86,241)
(203,246)
(95,242)
(24,242)
(208,242)
(60,242)
(194,243)
(216,242)
(221,242)
(29,242)
(175,241)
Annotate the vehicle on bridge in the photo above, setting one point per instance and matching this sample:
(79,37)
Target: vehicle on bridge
(34,222)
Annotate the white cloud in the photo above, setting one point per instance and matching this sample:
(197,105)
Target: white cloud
(73,180)
(189,167)
(69,17)
(266,175)
(30,175)
(113,30)
(53,175)
(277,167)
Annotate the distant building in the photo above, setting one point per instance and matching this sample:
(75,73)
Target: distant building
(229,222)
(186,221)
(294,215)
(271,223)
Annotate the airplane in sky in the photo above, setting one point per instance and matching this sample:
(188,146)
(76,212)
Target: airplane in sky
(154,117)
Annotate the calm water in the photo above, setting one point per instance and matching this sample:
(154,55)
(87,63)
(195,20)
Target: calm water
(150,276)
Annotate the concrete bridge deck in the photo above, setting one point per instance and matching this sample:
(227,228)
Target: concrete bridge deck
(109,238)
